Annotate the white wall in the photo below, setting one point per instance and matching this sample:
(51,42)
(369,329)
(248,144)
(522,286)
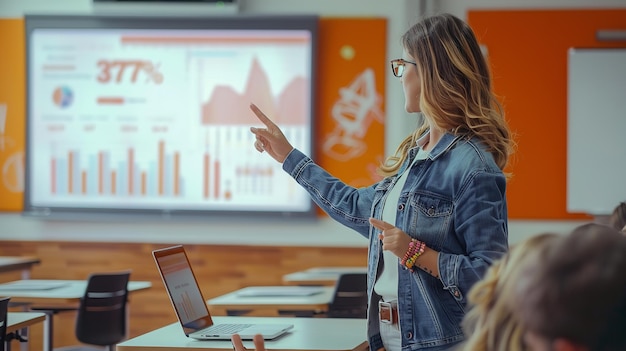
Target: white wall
(400,13)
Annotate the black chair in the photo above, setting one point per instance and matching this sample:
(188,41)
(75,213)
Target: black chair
(350,298)
(101,316)
(4,307)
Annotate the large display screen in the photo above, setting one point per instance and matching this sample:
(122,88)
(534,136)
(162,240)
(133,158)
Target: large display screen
(152,114)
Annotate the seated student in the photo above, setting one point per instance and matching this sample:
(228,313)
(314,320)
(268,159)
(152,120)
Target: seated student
(574,296)
(617,219)
(490,324)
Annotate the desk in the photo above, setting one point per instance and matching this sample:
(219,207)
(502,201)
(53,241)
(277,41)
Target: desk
(14,263)
(20,320)
(320,275)
(311,334)
(67,292)
(235,304)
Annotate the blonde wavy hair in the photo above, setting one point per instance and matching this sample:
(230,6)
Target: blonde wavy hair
(490,324)
(456,92)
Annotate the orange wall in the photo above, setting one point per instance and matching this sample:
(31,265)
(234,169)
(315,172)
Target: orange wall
(527,51)
(352,67)
(12,91)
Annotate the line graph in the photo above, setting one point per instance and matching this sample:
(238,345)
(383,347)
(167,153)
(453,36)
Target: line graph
(227,104)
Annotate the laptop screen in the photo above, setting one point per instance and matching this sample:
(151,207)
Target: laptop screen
(182,288)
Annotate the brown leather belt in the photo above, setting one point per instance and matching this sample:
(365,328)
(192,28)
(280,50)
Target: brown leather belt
(388,312)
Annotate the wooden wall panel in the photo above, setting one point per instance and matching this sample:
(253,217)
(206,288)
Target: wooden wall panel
(219,268)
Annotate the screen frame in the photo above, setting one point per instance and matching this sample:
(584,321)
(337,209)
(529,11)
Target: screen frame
(132,22)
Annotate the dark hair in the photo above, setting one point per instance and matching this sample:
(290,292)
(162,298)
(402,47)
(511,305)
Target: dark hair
(577,291)
(617,219)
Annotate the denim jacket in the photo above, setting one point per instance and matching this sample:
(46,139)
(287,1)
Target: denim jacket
(454,201)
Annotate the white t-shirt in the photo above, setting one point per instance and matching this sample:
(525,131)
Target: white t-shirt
(387,283)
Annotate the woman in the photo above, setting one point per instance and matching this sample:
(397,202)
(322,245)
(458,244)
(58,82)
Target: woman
(439,217)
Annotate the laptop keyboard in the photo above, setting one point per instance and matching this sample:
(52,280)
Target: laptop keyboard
(226,328)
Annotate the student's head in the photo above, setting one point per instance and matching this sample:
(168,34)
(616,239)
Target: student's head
(454,82)
(617,219)
(490,324)
(574,297)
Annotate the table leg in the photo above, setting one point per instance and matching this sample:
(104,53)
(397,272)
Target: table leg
(23,332)
(24,345)
(48,332)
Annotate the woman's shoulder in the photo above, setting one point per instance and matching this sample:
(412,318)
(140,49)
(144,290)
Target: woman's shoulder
(471,154)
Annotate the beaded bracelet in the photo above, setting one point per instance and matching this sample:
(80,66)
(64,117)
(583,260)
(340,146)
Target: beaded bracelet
(410,262)
(416,248)
(410,251)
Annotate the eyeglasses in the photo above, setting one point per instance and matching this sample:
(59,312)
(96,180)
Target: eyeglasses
(397,66)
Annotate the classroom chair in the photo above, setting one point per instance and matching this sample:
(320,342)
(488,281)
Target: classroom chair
(4,307)
(101,316)
(350,298)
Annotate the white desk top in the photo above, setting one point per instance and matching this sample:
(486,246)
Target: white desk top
(11,263)
(19,320)
(320,275)
(68,290)
(236,300)
(312,334)
(336,270)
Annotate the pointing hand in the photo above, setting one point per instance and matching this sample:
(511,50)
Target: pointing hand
(394,239)
(271,138)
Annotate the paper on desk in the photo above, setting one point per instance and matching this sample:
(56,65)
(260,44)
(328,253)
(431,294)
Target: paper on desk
(269,291)
(31,285)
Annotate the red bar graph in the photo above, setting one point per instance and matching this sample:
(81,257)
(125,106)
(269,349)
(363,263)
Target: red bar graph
(53,175)
(128,171)
(113,182)
(100,172)
(206,175)
(176,174)
(143,183)
(83,175)
(216,166)
(131,162)
(70,172)
(161,167)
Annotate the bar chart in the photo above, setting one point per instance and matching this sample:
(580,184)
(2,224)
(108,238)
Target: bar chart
(95,174)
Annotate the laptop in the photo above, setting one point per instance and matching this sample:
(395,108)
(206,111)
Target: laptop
(191,308)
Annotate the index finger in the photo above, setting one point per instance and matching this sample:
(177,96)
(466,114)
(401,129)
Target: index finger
(235,339)
(268,122)
(259,344)
(381,225)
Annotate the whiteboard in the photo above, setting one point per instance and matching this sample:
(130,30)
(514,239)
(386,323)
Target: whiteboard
(596,130)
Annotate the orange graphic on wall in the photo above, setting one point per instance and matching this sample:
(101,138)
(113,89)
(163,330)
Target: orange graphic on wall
(352,66)
(12,114)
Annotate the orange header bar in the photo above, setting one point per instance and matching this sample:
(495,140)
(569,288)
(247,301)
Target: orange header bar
(111,100)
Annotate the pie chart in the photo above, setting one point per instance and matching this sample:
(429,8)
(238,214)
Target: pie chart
(63,96)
